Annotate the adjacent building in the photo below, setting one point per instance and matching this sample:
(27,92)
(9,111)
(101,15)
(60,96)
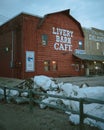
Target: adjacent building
(32,45)
(93,57)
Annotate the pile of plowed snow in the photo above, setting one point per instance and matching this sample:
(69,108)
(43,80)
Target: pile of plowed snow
(69,90)
(51,86)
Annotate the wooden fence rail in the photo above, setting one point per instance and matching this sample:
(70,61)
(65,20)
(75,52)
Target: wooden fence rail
(81,101)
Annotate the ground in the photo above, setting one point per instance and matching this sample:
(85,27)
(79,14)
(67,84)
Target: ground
(20,117)
(90,80)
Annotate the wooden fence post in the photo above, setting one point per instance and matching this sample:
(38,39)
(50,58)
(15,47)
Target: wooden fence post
(5,94)
(30,100)
(81,114)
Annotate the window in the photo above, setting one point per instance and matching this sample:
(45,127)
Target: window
(80,45)
(76,67)
(97,45)
(44,39)
(46,65)
(54,65)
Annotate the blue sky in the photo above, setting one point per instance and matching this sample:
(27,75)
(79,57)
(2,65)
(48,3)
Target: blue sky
(89,13)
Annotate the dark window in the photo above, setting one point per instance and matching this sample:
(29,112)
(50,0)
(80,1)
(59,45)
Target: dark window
(76,67)
(44,39)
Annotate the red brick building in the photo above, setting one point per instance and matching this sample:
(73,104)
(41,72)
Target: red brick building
(30,45)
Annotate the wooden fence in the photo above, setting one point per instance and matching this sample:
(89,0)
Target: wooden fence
(81,101)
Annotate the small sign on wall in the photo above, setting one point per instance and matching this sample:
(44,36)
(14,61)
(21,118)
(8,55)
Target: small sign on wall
(30,67)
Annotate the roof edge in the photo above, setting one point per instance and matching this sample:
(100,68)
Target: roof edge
(22,13)
(89,57)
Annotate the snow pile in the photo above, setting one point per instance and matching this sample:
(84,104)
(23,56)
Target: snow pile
(91,92)
(44,82)
(1,91)
(13,93)
(70,90)
(49,85)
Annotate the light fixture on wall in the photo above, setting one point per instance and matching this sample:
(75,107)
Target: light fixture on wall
(6,49)
(53,62)
(94,62)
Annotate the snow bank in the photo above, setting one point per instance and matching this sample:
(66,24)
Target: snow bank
(91,109)
(70,90)
(49,100)
(50,86)
(24,94)
(44,82)
(1,91)
(13,93)
(91,92)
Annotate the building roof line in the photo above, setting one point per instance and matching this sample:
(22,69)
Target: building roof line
(67,12)
(22,13)
(89,57)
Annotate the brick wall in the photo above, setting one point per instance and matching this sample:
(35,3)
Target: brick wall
(64,59)
(28,31)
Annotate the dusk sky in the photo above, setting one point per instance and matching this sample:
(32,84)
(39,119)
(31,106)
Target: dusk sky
(90,13)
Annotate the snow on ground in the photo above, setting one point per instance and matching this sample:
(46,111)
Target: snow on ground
(70,90)
(50,86)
